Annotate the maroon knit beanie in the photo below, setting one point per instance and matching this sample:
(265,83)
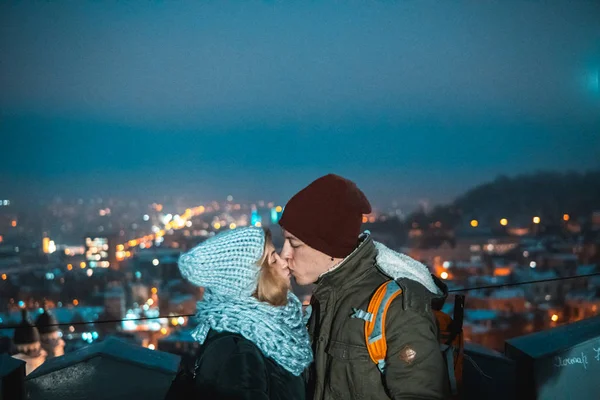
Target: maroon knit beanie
(327,215)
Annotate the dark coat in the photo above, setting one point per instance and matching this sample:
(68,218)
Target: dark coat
(231,367)
(342,368)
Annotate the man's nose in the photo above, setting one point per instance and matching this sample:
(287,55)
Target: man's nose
(286,252)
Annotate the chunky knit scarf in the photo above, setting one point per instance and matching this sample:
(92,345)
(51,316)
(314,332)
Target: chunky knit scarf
(279,332)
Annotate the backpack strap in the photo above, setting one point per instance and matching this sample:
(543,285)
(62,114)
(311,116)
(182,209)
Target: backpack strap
(456,326)
(447,348)
(374,319)
(448,353)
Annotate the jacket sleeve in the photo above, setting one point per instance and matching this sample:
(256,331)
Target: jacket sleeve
(233,370)
(414,368)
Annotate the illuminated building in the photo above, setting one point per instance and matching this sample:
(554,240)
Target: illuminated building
(255,218)
(100,252)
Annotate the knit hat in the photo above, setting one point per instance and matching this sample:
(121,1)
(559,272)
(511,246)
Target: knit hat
(226,264)
(327,215)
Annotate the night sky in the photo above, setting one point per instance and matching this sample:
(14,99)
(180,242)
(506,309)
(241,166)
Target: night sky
(411,99)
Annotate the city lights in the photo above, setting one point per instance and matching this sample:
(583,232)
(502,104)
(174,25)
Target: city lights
(129,251)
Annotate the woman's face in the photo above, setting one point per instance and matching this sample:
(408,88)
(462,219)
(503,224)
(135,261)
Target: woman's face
(278,264)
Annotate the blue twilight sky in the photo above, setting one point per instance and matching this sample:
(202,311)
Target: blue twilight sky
(411,99)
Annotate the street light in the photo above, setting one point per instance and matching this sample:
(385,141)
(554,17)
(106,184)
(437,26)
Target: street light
(503,222)
(474,223)
(536,220)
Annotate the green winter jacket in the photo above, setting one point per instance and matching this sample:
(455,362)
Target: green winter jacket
(342,368)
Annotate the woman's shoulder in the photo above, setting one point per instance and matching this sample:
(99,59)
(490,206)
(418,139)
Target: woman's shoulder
(226,343)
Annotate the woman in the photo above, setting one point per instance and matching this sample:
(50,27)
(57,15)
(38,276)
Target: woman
(254,341)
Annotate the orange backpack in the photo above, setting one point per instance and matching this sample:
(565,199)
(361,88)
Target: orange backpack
(451,335)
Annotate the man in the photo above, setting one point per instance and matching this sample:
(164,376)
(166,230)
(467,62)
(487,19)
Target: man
(321,226)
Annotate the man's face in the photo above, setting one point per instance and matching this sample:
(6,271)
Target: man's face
(304,262)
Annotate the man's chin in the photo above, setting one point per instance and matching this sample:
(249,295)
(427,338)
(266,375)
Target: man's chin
(300,282)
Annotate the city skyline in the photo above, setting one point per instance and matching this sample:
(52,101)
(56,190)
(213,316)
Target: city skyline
(412,102)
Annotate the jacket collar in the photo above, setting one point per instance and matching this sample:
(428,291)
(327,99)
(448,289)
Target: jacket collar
(351,268)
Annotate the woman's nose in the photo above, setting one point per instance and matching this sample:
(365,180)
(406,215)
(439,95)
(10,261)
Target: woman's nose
(282,262)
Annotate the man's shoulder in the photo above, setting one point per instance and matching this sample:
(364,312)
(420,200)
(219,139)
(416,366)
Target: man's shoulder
(415,296)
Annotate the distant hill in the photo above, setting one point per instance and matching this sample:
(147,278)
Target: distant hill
(547,194)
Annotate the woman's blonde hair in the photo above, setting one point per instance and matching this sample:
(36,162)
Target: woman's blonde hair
(271,288)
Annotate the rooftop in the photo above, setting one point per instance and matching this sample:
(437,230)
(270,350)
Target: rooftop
(112,369)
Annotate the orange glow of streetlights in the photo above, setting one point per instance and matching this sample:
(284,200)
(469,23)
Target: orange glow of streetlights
(566,217)
(503,222)
(474,223)
(536,220)
(554,318)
